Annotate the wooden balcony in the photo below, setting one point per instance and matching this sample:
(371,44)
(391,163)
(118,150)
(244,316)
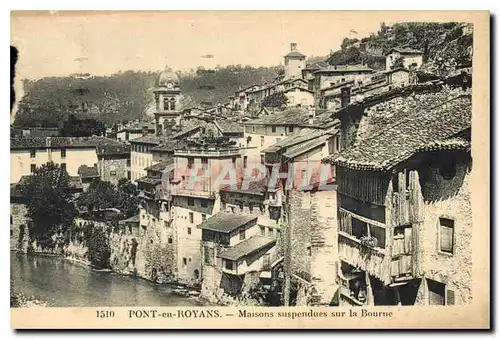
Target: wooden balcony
(369,259)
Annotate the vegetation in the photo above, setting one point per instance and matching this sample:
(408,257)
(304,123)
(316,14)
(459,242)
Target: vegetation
(101,195)
(275,100)
(75,127)
(125,96)
(49,203)
(449,41)
(97,243)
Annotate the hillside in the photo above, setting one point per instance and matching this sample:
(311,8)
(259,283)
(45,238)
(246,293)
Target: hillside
(445,45)
(126,95)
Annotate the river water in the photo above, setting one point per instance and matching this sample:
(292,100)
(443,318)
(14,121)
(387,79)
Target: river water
(61,283)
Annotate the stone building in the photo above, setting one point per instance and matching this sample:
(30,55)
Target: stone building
(27,154)
(406,57)
(405,223)
(295,62)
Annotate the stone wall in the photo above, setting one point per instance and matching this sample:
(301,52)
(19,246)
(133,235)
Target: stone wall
(448,199)
(113,170)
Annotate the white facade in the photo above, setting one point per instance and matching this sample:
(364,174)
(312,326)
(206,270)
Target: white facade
(140,158)
(299,96)
(22,161)
(409,60)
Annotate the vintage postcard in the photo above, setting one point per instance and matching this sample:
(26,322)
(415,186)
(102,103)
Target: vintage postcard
(307,169)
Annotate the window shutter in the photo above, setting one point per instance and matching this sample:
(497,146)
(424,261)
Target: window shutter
(450,297)
(446,236)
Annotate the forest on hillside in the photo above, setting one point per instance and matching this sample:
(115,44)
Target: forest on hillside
(125,96)
(446,46)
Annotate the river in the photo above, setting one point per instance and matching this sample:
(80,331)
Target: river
(62,283)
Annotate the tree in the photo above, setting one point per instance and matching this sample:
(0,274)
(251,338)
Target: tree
(98,247)
(75,127)
(49,202)
(275,100)
(102,195)
(99,195)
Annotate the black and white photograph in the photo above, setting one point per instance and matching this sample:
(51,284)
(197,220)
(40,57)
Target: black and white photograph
(195,159)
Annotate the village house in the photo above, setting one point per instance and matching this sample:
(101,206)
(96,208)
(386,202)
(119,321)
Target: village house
(331,97)
(336,74)
(27,154)
(309,212)
(233,246)
(134,130)
(113,159)
(405,221)
(406,57)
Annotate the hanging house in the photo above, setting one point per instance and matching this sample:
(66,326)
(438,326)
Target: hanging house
(404,210)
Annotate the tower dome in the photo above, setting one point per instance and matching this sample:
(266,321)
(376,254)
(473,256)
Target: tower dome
(166,77)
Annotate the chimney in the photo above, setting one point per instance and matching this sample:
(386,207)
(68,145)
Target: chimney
(293,47)
(345,96)
(145,130)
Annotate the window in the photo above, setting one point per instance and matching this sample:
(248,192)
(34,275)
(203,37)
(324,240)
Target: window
(166,105)
(270,232)
(190,202)
(204,204)
(189,230)
(234,161)
(229,265)
(191,217)
(262,158)
(262,230)
(337,143)
(208,254)
(33,168)
(172,104)
(190,162)
(204,163)
(253,129)
(143,216)
(170,240)
(242,234)
(446,233)
(436,292)
(290,129)
(196,274)
(165,223)
(184,261)
(233,209)
(203,217)
(33,153)
(273,129)
(245,161)
(261,140)
(112,173)
(63,154)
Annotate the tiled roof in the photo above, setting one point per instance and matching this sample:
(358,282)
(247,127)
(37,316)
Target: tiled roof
(85,171)
(254,188)
(421,129)
(300,138)
(149,180)
(246,247)
(157,167)
(226,222)
(228,126)
(138,126)
(316,65)
(107,146)
(298,87)
(52,142)
(295,54)
(405,50)
(344,69)
(147,139)
(295,116)
(299,149)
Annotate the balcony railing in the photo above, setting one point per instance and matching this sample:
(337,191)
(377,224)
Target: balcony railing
(370,259)
(208,152)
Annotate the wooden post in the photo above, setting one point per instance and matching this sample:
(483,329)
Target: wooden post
(369,291)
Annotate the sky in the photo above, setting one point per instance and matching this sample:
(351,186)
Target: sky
(102,43)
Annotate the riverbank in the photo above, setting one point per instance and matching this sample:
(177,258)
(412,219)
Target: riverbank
(52,281)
